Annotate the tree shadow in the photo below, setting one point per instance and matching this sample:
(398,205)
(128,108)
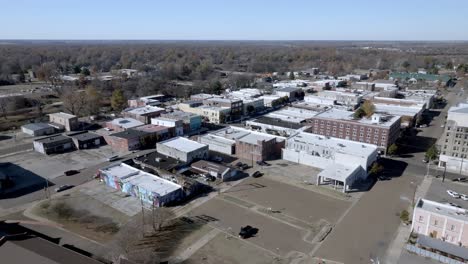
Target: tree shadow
(20,181)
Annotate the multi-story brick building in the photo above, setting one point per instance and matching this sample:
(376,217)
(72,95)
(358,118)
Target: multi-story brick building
(380,130)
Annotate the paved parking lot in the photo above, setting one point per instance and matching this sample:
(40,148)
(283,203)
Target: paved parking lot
(273,235)
(299,203)
(438,192)
(57,164)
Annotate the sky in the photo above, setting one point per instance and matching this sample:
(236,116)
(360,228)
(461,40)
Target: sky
(235,20)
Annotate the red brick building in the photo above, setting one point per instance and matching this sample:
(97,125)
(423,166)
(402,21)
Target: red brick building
(380,130)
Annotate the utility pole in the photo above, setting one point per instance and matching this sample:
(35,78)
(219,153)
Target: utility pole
(142,217)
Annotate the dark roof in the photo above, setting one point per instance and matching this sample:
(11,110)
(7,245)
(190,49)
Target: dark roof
(443,246)
(85,136)
(130,133)
(204,165)
(37,126)
(54,140)
(159,161)
(23,245)
(278,122)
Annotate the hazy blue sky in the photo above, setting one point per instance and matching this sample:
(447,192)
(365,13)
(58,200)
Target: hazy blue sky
(240,19)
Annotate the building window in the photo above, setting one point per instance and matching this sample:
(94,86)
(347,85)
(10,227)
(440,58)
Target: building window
(452,228)
(421,218)
(436,222)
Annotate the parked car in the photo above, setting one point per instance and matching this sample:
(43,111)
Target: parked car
(262,163)
(423,126)
(454,205)
(425,160)
(247,231)
(71,172)
(383,178)
(442,125)
(113,158)
(217,159)
(453,194)
(63,188)
(257,174)
(464,197)
(244,166)
(461,179)
(239,164)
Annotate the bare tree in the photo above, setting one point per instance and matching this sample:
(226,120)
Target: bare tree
(73,101)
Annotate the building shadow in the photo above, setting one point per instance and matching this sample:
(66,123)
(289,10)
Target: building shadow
(4,137)
(393,168)
(414,144)
(20,181)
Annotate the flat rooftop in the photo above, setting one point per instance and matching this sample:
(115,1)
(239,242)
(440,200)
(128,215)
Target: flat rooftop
(129,133)
(145,110)
(85,136)
(158,161)
(53,139)
(274,121)
(148,181)
(244,135)
(293,114)
(150,128)
(460,108)
(288,89)
(340,145)
(36,126)
(63,115)
(178,115)
(209,166)
(126,122)
(338,114)
(182,144)
(443,209)
(338,171)
(254,137)
(397,110)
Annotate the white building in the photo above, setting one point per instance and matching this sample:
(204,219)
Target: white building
(315,99)
(342,98)
(453,143)
(341,160)
(178,125)
(37,129)
(182,149)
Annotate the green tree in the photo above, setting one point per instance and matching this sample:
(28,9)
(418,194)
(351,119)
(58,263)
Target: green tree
(359,113)
(376,168)
(392,150)
(368,107)
(432,153)
(85,72)
(291,75)
(406,65)
(404,216)
(118,100)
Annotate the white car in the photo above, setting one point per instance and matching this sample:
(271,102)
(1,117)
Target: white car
(464,197)
(453,194)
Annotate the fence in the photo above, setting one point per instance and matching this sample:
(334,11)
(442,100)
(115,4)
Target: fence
(432,255)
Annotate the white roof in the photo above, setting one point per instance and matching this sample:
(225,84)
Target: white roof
(150,182)
(243,135)
(397,110)
(339,172)
(127,122)
(443,209)
(144,110)
(182,144)
(339,114)
(340,145)
(292,114)
(62,115)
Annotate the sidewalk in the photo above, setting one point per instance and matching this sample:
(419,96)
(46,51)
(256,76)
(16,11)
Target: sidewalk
(396,247)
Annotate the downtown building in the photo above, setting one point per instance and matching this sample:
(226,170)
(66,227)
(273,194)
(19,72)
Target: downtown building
(380,130)
(453,145)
